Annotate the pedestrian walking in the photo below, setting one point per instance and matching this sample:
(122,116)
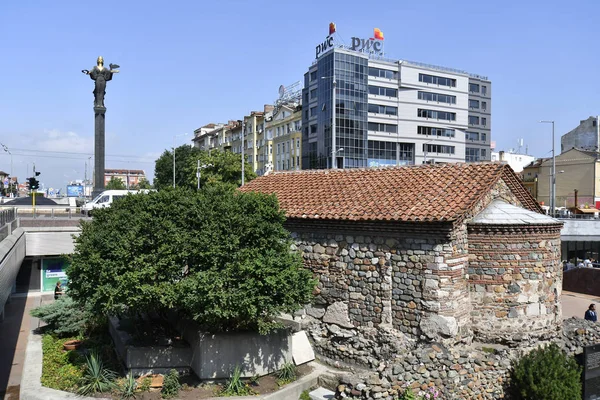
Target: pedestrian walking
(590,314)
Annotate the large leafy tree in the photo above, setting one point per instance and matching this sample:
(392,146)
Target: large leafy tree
(115,184)
(218,256)
(217,166)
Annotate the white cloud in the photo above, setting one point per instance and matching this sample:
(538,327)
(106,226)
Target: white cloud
(55,140)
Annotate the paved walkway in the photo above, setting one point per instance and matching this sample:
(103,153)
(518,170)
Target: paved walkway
(575,304)
(14,331)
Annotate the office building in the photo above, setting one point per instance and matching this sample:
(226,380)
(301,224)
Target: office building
(390,112)
(130,177)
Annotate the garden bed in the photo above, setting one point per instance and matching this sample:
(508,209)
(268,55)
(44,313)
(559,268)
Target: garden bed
(63,370)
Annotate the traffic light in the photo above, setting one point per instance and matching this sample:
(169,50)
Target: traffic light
(33,183)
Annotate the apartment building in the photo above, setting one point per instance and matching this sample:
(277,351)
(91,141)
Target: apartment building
(285,127)
(390,112)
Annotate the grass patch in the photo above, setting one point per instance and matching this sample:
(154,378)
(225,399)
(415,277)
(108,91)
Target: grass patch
(61,370)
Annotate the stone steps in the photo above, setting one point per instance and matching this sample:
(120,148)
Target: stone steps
(321,393)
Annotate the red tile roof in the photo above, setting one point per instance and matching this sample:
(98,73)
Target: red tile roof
(417,193)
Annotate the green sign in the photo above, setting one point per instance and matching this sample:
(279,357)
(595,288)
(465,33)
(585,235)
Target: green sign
(53,270)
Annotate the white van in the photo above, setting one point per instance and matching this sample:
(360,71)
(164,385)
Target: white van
(105,199)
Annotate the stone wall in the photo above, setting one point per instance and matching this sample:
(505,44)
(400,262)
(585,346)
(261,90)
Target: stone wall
(515,279)
(408,277)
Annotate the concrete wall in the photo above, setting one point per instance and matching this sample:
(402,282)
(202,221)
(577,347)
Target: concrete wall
(12,253)
(214,356)
(149,359)
(50,241)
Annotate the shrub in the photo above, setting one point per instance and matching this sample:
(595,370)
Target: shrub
(171,385)
(63,316)
(57,372)
(235,386)
(96,378)
(145,384)
(286,374)
(546,373)
(218,256)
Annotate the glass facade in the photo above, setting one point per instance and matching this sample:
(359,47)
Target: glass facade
(383,153)
(351,76)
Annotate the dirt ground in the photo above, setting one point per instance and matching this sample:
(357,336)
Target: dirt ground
(193,389)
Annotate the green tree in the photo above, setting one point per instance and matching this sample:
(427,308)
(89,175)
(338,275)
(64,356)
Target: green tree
(142,184)
(217,166)
(115,184)
(218,256)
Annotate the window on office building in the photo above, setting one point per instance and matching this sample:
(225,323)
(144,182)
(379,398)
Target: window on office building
(473,120)
(313,111)
(471,154)
(383,91)
(383,73)
(484,90)
(313,93)
(473,136)
(484,121)
(313,128)
(431,131)
(483,137)
(483,153)
(313,76)
(379,109)
(484,105)
(437,80)
(377,127)
(447,116)
(438,148)
(473,88)
(473,103)
(440,98)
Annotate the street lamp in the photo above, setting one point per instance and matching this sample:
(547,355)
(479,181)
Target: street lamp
(198,171)
(175,137)
(553,183)
(11,165)
(333,116)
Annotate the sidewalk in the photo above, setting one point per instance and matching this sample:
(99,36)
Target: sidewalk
(575,304)
(14,331)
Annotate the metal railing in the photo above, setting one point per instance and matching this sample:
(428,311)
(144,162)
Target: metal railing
(7,215)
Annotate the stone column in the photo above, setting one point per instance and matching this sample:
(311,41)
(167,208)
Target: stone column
(99,147)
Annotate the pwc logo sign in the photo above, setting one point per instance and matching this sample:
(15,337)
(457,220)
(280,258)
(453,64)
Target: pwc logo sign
(328,43)
(373,45)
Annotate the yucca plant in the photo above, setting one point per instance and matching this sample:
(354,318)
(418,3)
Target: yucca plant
(286,374)
(129,387)
(235,386)
(96,378)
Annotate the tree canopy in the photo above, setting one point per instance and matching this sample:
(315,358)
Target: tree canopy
(115,184)
(218,256)
(217,166)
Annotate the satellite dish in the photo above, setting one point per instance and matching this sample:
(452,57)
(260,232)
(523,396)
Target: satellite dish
(281,90)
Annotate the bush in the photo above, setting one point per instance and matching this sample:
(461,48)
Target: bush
(171,385)
(63,316)
(218,256)
(548,374)
(57,371)
(128,387)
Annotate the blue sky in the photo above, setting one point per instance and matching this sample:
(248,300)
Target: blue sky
(187,63)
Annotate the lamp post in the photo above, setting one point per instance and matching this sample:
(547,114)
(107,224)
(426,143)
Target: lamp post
(553,182)
(11,165)
(243,155)
(199,171)
(175,137)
